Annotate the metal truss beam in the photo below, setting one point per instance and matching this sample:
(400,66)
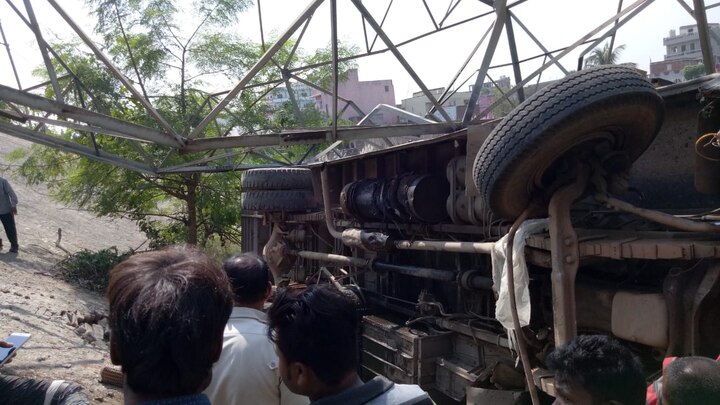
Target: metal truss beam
(316,136)
(99,122)
(71,147)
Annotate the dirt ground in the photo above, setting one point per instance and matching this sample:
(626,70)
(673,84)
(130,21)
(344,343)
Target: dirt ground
(33,300)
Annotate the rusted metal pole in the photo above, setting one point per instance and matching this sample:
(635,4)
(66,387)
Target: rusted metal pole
(335,78)
(661,217)
(378,29)
(43,50)
(446,246)
(12,62)
(329,257)
(514,56)
(500,11)
(565,259)
(326,205)
(705,45)
(522,346)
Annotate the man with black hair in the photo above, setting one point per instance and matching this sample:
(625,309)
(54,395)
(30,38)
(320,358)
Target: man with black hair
(167,312)
(315,331)
(596,370)
(247,371)
(691,380)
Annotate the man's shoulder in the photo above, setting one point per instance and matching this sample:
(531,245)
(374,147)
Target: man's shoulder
(405,394)
(379,391)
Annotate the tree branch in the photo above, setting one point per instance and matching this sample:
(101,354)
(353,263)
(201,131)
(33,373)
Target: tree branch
(209,13)
(130,53)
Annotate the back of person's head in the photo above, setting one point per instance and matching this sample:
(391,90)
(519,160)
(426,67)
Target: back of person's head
(249,276)
(691,380)
(601,366)
(317,327)
(168,311)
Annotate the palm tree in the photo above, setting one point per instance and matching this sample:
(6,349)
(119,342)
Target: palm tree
(604,55)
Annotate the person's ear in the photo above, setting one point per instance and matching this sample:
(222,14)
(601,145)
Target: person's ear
(268,291)
(217,349)
(303,376)
(115,357)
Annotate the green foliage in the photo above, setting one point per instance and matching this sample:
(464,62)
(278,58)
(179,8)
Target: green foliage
(170,50)
(604,55)
(17,155)
(504,107)
(323,74)
(693,71)
(89,269)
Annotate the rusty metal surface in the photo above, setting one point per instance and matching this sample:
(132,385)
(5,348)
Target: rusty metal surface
(664,174)
(707,290)
(402,354)
(638,244)
(672,290)
(565,259)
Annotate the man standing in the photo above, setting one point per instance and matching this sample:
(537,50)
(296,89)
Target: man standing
(8,210)
(316,334)
(247,371)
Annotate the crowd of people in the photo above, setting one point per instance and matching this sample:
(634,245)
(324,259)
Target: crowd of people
(187,332)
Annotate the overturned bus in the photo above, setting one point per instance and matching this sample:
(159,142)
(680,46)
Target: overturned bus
(590,208)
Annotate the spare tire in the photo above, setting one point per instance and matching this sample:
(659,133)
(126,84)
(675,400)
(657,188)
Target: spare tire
(279,200)
(607,110)
(277,178)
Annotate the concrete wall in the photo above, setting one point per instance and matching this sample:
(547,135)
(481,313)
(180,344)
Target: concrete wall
(366,94)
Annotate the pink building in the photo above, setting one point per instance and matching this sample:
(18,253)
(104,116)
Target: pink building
(366,95)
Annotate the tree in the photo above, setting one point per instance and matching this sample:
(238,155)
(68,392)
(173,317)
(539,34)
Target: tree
(693,71)
(604,55)
(169,65)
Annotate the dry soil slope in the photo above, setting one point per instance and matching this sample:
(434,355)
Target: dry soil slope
(32,300)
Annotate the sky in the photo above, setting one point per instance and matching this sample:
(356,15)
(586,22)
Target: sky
(436,58)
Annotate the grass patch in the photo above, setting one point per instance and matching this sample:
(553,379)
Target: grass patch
(90,269)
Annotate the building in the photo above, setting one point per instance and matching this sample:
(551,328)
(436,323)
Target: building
(365,94)
(683,49)
(456,104)
(279,96)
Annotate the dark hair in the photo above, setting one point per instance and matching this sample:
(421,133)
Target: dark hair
(168,309)
(316,326)
(692,380)
(602,366)
(249,276)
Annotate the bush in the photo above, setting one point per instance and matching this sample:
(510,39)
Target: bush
(89,269)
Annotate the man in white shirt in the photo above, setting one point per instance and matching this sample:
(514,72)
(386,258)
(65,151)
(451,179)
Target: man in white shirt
(247,371)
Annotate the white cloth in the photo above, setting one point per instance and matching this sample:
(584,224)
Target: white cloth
(521,279)
(247,372)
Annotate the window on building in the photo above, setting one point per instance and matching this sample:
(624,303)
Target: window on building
(690,30)
(692,46)
(674,49)
(387,88)
(682,48)
(668,67)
